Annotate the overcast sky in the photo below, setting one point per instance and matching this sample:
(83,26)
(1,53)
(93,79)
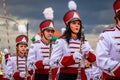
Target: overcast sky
(92,12)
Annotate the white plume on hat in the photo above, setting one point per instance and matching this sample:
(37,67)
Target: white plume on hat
(22,29)
(48,13)
(63,30)
(6,50)
(72,5)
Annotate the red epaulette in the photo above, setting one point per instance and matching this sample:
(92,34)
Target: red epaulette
(38,41)
(109,29)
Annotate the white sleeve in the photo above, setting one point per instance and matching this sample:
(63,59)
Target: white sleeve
(9,68)
(31,56)
(88,45)
(56,53)
(4,65)
(102,53)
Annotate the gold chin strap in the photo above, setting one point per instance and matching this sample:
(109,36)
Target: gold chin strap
(1,71)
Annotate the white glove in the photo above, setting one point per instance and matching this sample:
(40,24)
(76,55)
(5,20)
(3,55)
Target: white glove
(22,74)
(46,61)
(77,55)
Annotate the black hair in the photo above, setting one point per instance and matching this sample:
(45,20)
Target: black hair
(117,15)
(67,34)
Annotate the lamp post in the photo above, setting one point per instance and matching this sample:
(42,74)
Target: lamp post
(5,15)
(17,23)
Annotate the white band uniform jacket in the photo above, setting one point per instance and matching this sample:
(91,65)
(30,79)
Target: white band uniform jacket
(63,54)
(108,52)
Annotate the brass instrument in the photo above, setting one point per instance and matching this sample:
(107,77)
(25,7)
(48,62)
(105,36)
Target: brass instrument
(1,71)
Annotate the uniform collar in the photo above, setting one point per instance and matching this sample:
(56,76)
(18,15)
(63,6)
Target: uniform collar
(44,42)
(118,27)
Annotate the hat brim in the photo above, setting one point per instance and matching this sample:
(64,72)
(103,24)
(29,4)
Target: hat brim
(48,28)
(75,19)
(21,43)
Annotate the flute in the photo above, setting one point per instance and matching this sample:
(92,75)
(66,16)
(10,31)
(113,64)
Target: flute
(26,69)
(82,60)
(53,39)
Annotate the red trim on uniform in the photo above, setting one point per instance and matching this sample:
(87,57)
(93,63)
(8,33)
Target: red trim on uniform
(91,79)
(118,27)
(31,72)
(4,79)
(39,64)
(118,43)
(44,42)
(16,76)
(1,76)
(45,56)
(20,63)
(54,73)
(42,71)
(111,29)
(36,42)
(67,60)
(82,74)
(74,43)
(44,47)
(72,52)
(91,57)
(105,75)
(29,78)
(7,56)
(45,52)
(74,47)
(117,37)
(117,72)
(69,70)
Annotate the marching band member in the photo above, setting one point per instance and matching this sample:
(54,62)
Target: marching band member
(16,66)
(5,58)
(3,63)
(108,48)
(66,50)
(40,51)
